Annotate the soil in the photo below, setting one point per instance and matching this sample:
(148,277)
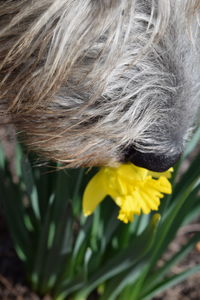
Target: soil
(189,288)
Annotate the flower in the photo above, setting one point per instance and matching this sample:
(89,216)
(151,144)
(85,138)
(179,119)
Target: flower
(135,190)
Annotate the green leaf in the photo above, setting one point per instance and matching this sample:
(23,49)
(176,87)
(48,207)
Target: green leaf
(115,286)
(166,231)
(189,177)
(60,247)
(41,250)
(143,222)
(192,144)
(171,281)
(11,199)
(27,178)
(162,271)
(2,158)
(175,216)
(125,259)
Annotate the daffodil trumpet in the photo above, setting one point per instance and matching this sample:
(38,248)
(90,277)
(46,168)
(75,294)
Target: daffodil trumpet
(135,190)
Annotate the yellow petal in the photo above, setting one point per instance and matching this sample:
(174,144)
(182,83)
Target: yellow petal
(94,193)
(166,174)
(122,186)
(130,172)
(152,202)
(162,185)
(144,203)
(124,217)
(129,207)
(134,190)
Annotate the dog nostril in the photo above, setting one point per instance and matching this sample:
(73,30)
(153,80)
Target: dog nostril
(157,162)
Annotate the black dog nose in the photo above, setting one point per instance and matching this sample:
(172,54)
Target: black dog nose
(157,162)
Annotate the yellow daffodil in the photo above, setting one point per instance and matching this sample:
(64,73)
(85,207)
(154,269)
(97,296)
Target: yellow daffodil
(135,190)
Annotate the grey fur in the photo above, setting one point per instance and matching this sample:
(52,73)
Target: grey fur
(83,80)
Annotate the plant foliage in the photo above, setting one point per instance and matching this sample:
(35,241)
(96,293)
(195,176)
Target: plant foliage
(70,256)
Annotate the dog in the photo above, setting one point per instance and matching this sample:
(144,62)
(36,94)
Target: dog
(101,82)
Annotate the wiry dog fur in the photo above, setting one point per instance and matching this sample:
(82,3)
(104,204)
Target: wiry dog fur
(84,80)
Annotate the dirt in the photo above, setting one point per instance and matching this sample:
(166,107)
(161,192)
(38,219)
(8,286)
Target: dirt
(189,288)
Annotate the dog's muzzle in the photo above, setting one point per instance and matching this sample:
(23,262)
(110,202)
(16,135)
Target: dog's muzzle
(157,162)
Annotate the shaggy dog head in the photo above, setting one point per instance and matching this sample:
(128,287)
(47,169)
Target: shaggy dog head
(98,82)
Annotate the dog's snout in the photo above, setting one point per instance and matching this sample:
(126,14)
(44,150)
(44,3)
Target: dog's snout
(157,162)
